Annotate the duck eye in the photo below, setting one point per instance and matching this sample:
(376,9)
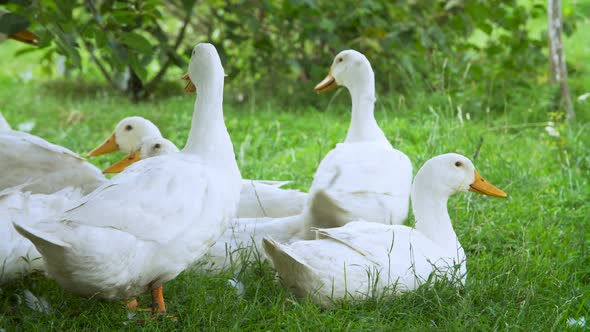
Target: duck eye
(157,146)
(458,164)
(128,127)
(340,59)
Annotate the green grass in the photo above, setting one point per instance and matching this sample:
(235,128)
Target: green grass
(528,261)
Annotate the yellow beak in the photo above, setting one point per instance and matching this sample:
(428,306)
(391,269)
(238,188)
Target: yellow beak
(25,36)
(327,84)
(481,186)
(190,86)
(119,166)
(107,146)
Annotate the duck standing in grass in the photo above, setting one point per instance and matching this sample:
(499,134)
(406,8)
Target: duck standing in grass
(146,225)
(362,259)
(231,249)
(365,174)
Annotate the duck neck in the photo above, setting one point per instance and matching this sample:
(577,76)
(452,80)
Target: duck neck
(363,126)
(432,218)
(208,136)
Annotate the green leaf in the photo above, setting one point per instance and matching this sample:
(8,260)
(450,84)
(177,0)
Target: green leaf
(188,4)
(11,23)
(100,38)
(124,17)
(136,41)
(137,67)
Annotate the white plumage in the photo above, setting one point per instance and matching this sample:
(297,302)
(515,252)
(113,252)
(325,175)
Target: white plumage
(362,259)
(149,223)
(364,174)
(26,158)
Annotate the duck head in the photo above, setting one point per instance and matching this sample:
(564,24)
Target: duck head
(451,173)
(350,68)
(128,134)
(149,147)
(203,67)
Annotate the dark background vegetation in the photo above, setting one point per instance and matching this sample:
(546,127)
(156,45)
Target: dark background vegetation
(463,49)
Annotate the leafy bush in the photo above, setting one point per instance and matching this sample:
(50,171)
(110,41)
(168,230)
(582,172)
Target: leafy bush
(459,47)
(121,38)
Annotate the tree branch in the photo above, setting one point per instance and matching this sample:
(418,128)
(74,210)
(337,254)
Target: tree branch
(96,15)
(100,66)
(557,57)
(171,52)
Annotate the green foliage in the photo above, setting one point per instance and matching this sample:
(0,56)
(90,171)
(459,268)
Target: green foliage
(116,36)
(11,23)
(438,45)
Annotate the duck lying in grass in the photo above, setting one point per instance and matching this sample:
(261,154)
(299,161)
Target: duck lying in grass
(258,198)
(18,256)
(146,225)
(43,166)
(362,259)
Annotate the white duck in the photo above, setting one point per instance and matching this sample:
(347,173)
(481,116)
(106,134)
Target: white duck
(365,174)
(258,198)
(241,233)
(127,136)
(47,167)
(363,258)
(146,225)
(18,256)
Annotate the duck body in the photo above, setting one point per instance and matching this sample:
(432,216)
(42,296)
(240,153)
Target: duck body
(139,255)
(358,176)
(139,138)
(242,241)
(48,167)
(147,224)
(360,260)
(259,199)
(363,259)
(17,254)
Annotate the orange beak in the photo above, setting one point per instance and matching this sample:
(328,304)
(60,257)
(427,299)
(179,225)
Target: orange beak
(107,146)
(481,186)
(327,84)
(25,36)
(190,86)
(119,166)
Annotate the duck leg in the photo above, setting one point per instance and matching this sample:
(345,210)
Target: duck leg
(133,304)
(158,305)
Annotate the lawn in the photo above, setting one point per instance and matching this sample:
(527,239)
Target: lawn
(528,261)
